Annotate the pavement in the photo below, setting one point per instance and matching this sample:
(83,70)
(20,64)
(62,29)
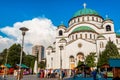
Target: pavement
(90,78)
(26,77)
(34,77)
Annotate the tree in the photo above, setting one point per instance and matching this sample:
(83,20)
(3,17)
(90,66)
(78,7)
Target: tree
(29,60)
(79,63)
(110,51)
(13,54)
(103,59)
(3,56)
(42,65)
(90,60)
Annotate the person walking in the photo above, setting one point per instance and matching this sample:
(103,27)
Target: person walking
(94,74)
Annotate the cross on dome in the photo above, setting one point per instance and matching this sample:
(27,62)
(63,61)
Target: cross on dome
(84,5)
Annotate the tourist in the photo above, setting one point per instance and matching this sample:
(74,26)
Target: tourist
(94,74)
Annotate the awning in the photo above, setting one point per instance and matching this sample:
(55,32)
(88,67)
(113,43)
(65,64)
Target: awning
(2,66)
(114,62)
(8,65)
(22,66)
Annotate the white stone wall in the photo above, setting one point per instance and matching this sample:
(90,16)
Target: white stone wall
(73,49)
(88,45)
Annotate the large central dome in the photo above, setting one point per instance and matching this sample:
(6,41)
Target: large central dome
(85,11)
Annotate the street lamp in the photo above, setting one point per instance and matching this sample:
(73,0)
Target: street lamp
(61,48)
(23,29)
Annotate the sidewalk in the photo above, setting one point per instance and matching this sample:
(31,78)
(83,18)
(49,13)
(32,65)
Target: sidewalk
(27,77)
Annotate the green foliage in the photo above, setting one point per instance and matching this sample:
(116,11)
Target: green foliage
(79,63)
(90,60)
(3,56)
(29,60)
(103,59)
(110,51)
(42,65)
(32,63)
(14,54)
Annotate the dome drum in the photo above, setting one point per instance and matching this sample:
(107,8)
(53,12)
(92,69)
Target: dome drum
(85,15)
(86,18)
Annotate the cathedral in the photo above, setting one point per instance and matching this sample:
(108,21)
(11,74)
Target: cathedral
(87,32)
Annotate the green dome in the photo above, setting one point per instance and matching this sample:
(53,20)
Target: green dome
(83,28)
(117,35)
(85,11)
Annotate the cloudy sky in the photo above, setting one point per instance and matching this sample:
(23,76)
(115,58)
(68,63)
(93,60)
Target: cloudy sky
(42,17)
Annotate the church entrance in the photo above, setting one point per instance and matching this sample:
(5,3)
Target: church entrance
(72,62)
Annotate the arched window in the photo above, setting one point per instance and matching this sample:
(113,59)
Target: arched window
(71,58)
(48,53)
(85,36)
(75,21)
(88,18)
(97,19)
(92,18)
(108,28)
(51,58)
(90,36)
(117,41)
(60,33)
(78,20)
(81,36)
(82,18)
(76,36)
(80,56)
(94,36)
(101,45)
(72,37)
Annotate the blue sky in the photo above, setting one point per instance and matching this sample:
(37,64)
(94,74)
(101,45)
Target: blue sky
(14,13)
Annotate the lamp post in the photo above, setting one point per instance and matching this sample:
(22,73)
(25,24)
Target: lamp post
(23,29)
(61,48)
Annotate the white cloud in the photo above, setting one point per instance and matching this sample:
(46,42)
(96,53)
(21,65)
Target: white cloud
(5,43)
(41,32)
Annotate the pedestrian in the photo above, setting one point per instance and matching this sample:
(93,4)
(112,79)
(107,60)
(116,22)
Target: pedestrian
(63,74)
(15,73)
(49,73)
(94,74)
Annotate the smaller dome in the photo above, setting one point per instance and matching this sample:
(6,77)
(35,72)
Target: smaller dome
(83,28)
(85,11)
(117,35)
(62,26)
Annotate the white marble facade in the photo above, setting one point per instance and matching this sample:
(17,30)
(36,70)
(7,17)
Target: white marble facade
(87,32)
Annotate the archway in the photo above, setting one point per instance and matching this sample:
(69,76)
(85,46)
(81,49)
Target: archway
(80,56)
(72,62)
